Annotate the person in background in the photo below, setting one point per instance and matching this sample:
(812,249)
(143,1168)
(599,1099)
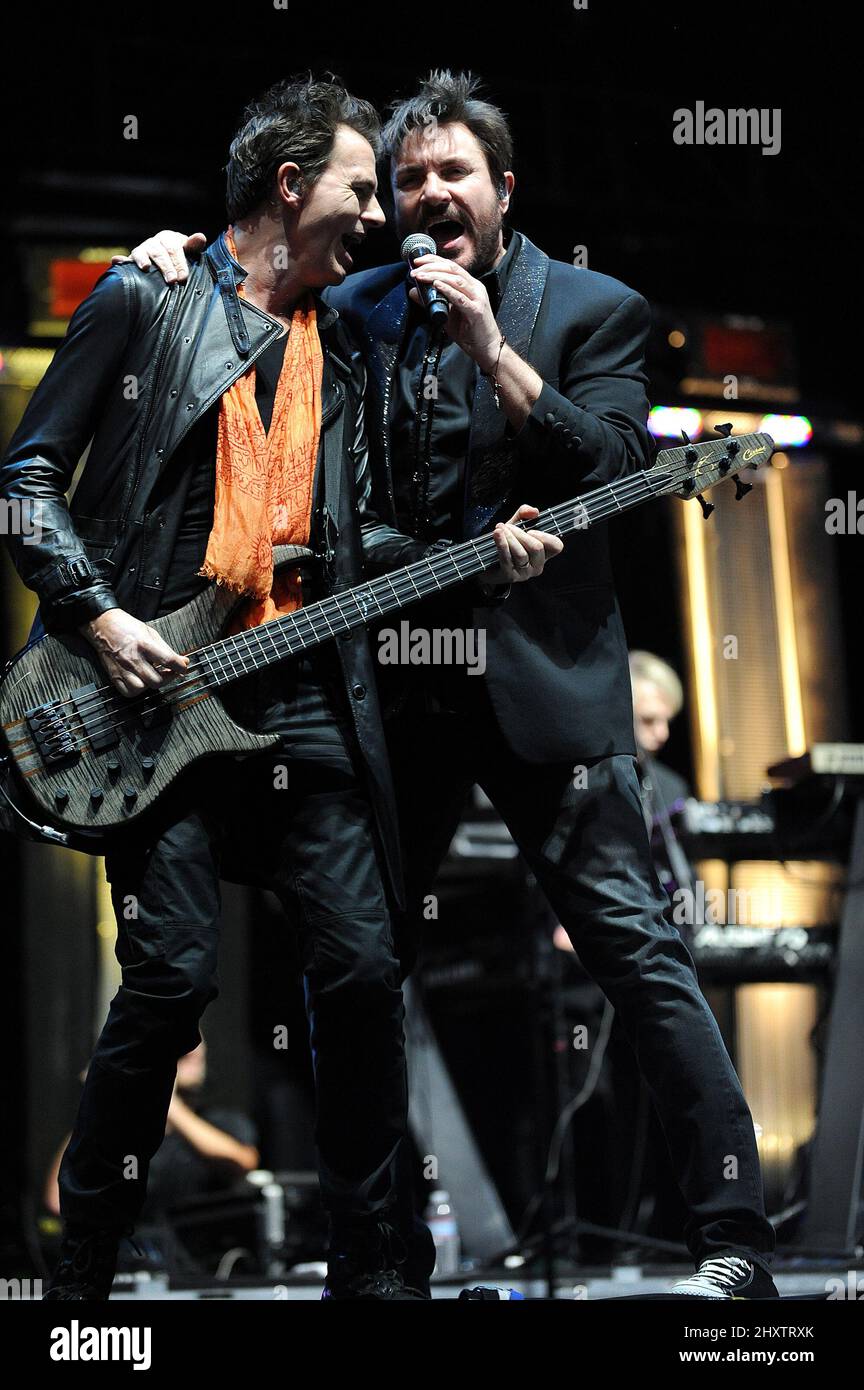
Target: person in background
(658,697)
(205,1148)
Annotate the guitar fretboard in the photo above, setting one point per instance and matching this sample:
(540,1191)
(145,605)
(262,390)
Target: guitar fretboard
(290,635)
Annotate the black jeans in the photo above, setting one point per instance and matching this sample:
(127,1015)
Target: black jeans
(588,848)
(314,846)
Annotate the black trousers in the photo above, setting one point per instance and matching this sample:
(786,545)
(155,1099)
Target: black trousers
(314,846)
(587,845)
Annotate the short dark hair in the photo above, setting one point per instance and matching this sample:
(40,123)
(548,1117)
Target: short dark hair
(445,97)
(297,120)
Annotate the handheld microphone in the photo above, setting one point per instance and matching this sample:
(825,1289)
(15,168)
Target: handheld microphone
(421,244)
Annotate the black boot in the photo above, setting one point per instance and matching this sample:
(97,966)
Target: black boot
(365,1262)
(420,1255)
(87,1264)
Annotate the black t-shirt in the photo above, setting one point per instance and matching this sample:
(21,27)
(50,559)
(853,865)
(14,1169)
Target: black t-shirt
(178,1171)
(443,408)
(302,700)
(430,427)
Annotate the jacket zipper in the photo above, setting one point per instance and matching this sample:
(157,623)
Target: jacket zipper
(157,368)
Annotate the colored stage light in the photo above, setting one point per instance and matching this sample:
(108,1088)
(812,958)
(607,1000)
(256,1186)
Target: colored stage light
(667,422)
(787,431)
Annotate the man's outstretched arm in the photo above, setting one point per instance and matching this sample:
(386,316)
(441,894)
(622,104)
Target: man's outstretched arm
(166,251)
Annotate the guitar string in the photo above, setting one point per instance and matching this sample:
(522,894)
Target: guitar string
(235,645)
(219,664)
(220,656)
(325,608)
(281,643)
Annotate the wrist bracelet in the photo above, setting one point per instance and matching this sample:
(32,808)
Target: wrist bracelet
(493,376)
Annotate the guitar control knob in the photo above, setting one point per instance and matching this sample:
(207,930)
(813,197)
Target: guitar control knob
(61,796)
(96,795)
(113,765)
(130,795)
(147,766)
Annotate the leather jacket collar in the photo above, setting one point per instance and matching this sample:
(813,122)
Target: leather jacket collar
(228,274)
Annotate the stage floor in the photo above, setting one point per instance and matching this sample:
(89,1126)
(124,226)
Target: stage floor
(814,1282)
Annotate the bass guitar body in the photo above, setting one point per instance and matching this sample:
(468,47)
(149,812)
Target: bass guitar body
(91,759)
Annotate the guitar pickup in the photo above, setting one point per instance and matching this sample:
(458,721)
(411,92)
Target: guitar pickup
(96,716)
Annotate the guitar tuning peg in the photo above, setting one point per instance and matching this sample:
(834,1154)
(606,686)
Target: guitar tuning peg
(732,448)
(725,430)
(707,507)
(741,489)
(685,436)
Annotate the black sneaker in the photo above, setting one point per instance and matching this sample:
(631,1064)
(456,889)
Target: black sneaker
(728,1276)
(365,1262)
(87,1264)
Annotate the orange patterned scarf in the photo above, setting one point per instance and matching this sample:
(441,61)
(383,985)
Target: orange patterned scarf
(264,479)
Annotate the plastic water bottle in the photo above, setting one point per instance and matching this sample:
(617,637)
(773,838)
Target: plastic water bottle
(441,1220)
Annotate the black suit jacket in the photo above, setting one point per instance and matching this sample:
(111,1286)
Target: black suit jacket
(556,653)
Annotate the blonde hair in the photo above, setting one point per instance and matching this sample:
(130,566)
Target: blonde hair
(645,666)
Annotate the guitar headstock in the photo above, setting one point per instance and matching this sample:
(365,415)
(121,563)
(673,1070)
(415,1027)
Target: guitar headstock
(693,468)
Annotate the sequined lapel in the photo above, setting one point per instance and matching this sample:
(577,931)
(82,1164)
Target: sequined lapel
(383,332)
(489,466)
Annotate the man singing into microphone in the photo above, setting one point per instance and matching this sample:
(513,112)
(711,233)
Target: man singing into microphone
(539,381)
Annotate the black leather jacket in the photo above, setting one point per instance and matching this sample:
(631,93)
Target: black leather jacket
(142,361)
